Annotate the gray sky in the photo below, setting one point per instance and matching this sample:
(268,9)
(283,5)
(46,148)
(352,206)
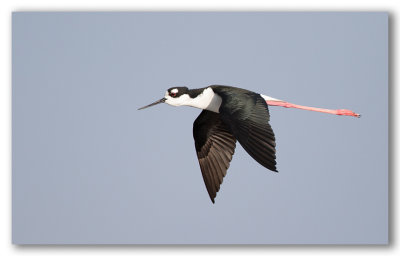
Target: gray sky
(89,168)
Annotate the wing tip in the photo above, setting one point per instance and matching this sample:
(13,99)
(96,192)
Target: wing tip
(271,168)
(212,200)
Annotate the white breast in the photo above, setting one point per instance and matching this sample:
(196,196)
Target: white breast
(207,100)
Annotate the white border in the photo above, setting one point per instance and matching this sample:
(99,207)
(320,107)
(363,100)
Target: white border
(7,7)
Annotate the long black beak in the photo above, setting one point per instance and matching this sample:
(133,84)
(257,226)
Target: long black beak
(154,103)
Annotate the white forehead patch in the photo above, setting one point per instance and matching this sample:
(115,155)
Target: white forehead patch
(174,90)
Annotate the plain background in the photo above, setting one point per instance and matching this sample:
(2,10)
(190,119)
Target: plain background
(89,168)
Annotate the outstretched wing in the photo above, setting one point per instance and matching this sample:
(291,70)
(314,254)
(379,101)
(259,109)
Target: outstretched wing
(215,146)
(248,119)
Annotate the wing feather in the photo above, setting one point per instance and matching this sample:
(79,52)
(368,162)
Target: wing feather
(215,145)
(248,119)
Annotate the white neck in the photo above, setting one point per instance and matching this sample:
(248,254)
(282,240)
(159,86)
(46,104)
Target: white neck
(206,100)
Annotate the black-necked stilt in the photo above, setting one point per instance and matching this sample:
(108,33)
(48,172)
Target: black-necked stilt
(231,114)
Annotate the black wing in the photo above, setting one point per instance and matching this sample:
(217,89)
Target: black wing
(215,146)
(248,119)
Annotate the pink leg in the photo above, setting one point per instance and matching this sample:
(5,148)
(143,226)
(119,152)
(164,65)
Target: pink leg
(343,112)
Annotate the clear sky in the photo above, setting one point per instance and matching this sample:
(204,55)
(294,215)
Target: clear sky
(89,168)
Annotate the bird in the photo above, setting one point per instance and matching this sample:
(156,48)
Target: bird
(230,114)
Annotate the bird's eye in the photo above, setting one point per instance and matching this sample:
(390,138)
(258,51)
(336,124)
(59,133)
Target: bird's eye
(173,94)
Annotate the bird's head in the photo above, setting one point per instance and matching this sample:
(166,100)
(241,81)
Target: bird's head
(175,96)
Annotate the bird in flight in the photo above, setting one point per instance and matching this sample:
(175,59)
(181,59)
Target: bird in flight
(231,114)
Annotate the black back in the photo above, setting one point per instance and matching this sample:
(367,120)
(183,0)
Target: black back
(246,114)
(243,116)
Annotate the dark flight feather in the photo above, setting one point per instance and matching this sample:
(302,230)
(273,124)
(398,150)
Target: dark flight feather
(215,146)
(248,119)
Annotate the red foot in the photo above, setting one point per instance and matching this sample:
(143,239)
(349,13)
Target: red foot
(346,112)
